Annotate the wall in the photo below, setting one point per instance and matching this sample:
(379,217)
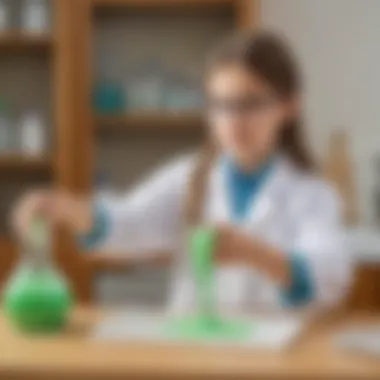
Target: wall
(338,44)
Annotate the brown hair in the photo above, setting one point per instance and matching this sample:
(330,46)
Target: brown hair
(269,57)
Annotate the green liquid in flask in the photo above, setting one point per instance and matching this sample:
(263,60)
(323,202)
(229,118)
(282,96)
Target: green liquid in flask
(37,298)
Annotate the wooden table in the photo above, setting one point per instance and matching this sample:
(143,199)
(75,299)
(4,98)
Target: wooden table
(73,356)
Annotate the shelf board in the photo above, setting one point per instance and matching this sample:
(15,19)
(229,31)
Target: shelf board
(18,162)
(160,3)
(19,41)
(152,122)
(120,263)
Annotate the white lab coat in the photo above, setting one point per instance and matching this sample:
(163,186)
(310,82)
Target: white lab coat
(296,212)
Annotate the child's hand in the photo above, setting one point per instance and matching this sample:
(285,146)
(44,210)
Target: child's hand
(235,247)
(27,207)
(56,208)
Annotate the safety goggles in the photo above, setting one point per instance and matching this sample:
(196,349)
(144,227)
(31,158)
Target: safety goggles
(244,106)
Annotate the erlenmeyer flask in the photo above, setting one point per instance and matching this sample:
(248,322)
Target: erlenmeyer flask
(37,298)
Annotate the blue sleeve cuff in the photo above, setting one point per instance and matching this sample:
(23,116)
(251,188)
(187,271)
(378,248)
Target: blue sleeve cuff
(301,290)
(99,230)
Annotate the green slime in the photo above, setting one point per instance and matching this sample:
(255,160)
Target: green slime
(199,328)
(207,324)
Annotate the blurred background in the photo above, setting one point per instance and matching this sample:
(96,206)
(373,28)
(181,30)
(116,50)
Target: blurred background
(96,93)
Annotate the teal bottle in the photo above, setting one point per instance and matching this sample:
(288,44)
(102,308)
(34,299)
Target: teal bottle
(108,98)
(108,93)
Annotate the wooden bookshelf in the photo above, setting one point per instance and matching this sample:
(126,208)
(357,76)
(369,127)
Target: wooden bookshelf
(18,41)
(31,82)
(69,65)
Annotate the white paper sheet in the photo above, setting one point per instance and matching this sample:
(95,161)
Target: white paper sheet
(361,339)
(269,332)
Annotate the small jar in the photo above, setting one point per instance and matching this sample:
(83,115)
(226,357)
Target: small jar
(5,129)
(146,90)
(108,94)
(32,134)
(35,16)
(5,15)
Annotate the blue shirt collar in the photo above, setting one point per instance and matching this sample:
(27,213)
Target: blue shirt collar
(243,187)
(238,175)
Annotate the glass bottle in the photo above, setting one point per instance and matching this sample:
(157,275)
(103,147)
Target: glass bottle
(108,97)
(32,134)
(35,16)
(37,298)
(146,89)
(182,95)
(4,128)
(5,15)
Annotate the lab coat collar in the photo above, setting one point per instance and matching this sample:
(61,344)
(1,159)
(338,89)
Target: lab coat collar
(270,195)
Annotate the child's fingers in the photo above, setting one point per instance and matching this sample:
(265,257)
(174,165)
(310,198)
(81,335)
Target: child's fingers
(231,246)
(70,211)
(26,209)
(224,250)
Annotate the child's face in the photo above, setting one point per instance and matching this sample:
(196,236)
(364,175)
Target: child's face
(245,114)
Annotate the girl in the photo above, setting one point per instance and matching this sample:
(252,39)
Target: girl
(279,232)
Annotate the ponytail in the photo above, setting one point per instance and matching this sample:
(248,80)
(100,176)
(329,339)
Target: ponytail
(198,184)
